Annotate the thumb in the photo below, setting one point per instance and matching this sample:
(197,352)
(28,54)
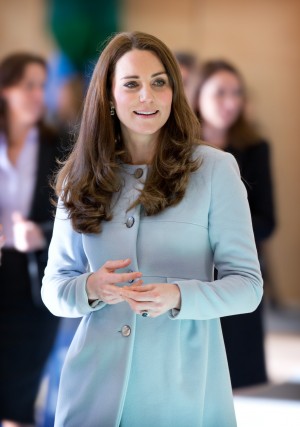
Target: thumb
(17,217)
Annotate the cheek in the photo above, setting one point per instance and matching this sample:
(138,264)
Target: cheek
(122,103)
(168,96)
(166,100)
(16,100)
(208,107)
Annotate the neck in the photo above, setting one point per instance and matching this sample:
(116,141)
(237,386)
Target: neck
(140,147)
(215,136)
(17,132)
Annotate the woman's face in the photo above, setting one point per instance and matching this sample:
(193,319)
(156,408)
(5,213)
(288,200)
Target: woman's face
(142,95)
(25,100)
(221,100)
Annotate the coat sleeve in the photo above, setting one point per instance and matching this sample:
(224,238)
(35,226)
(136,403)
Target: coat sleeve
(239,285)
(64,283)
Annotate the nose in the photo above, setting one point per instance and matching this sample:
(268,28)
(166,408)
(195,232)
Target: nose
(38,94)
(146,94)
(232,103)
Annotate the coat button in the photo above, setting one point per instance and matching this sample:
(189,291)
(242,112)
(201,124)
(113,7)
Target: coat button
(138,173)
(130,221)
(126,331)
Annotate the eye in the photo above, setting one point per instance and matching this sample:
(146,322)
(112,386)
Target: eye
(131,85)
(29,85)
(220,93)
(159,82)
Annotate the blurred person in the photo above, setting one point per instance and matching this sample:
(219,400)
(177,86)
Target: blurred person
(221,109)
(145,211)
(189,68)
(28,151)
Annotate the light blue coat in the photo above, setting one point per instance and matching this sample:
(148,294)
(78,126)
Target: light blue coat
(170,371)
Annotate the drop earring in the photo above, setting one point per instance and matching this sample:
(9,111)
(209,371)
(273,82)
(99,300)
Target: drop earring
(112,110)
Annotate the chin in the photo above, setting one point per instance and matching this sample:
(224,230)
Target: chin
(32,120)
(223,126)
(147,131)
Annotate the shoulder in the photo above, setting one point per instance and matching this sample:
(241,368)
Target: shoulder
(218,176)
(260,147)
(211,159)
(48,135)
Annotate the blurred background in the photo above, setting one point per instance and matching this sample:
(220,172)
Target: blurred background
(261,37)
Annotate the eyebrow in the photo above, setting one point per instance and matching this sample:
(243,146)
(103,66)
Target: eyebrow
(136,77)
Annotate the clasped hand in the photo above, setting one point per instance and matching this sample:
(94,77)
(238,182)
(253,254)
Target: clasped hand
(156,298)
(28,236)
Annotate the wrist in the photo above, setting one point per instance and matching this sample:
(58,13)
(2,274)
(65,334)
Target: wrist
(89,287)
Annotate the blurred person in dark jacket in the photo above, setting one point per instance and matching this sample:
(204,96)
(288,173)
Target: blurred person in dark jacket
(221,102)
(28,152)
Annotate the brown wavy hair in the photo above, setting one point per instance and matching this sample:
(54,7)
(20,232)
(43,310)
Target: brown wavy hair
(242,133)
(90,176)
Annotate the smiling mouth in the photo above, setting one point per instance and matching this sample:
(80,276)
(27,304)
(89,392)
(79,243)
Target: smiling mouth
(146,113)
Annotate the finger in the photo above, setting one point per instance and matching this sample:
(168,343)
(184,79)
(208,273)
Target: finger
(17,217)
(138,296)
(114,265)
(135,287)
(124,277)
(139,283)
(114,300)
(138,307)
(110,290)
(113,290)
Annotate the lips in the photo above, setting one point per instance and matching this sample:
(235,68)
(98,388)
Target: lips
(146,113)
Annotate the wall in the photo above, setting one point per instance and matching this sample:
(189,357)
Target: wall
(23,26)
(261,37)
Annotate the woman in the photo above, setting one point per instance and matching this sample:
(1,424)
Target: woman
(27,158)
(221,105)
(145,214)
